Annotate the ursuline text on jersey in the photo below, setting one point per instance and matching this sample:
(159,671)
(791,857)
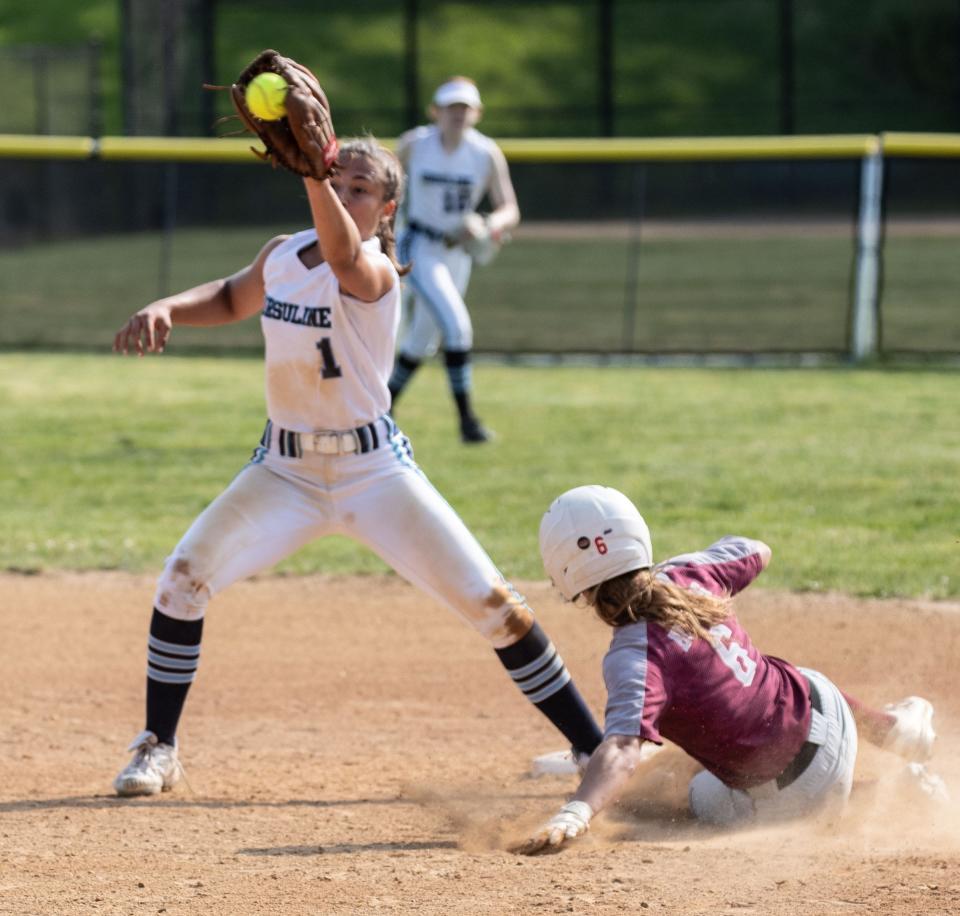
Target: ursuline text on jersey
(297,314)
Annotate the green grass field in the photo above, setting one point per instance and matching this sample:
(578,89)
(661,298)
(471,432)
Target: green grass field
(702,293)
(850,475)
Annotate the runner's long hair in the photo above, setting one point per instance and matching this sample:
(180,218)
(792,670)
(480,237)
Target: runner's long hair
(640,595)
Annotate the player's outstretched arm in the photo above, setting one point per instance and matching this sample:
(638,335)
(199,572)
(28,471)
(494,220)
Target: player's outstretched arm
(217,302)
(607,774)
(340,240)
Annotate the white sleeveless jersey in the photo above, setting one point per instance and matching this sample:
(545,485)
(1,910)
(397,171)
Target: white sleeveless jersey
(444,186)
(328,355)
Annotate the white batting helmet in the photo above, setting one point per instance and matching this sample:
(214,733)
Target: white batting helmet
(591,534)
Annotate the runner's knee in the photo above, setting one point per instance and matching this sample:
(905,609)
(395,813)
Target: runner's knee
(714,802)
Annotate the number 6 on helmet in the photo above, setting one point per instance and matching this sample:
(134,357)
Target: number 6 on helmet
(591,534)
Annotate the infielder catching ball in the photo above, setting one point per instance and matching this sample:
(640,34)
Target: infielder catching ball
(775,741)
(451,167)
(331,459)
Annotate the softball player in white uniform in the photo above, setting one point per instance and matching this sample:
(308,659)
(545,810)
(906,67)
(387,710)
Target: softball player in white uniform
(331,459)
(450,167)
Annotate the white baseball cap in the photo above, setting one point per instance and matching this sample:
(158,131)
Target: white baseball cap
(457,91)
(591,534)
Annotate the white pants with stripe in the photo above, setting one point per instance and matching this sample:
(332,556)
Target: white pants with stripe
(826,782)
(435,311)
(276,505)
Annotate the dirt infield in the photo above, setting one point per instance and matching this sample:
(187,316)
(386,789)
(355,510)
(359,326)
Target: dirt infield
(353,748)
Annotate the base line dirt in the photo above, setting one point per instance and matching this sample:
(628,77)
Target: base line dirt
(351,747)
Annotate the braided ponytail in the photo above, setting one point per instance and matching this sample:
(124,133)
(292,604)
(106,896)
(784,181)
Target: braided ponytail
(390,174)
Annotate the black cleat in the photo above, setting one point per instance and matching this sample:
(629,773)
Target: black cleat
(472,431)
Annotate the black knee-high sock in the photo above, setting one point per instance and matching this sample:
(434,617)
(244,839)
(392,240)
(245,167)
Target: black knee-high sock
(460,377)
(403,371)
(173,652)
(541,675)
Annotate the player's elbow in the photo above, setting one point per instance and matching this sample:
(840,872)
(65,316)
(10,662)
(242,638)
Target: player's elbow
(228,297)
(359,281)
(239,297)
(622,752)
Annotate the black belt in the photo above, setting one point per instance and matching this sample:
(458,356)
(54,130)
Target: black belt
(808,750)
(433,234)
(361,440)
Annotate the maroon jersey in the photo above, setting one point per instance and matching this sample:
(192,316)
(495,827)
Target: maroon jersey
(742,714)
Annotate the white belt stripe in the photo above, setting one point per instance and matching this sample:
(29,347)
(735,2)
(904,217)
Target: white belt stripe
(168,677)
(518,674)
(365,438)
(548,673)
(165,661)
(551,688)
(173,648)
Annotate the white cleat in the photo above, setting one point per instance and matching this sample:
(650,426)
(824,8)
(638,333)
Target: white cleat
(154,768)
(574,763)
(560,763)
(912,736)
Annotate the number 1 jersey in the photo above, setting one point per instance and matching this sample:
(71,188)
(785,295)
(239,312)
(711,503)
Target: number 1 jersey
(328,355)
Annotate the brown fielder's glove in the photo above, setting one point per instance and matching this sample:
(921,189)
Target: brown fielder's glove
(303,141)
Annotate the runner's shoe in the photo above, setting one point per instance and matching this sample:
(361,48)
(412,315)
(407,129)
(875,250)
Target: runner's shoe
(912,735)
(560,763)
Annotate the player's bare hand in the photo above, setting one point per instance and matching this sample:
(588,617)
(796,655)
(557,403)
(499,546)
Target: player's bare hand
(146,331)
(572,821)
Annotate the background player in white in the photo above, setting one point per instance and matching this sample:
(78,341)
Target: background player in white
(450,166)
(775,740)
(331,459)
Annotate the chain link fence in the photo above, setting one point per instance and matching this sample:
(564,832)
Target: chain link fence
(58,89)
(631,257)
(643,257)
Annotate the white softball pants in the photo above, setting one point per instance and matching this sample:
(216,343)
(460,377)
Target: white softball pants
(825,783)
(276,505)
(433,297)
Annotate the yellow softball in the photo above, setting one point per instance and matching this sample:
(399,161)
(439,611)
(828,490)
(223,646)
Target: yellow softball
(265,95)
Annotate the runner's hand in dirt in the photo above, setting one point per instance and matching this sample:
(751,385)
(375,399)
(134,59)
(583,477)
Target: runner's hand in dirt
(570,822)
